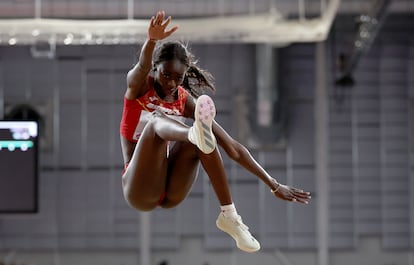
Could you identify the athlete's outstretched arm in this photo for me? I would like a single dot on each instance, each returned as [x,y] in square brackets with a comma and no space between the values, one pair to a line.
[137,76]
[242,156]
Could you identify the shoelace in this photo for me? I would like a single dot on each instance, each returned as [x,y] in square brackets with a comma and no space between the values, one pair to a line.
[240,223]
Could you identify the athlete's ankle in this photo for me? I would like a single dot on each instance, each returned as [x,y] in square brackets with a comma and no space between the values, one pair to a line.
[229,211]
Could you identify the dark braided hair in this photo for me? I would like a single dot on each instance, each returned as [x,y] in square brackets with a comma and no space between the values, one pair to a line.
[196,80]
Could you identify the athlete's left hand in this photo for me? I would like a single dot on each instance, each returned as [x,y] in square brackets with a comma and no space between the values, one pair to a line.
[292,194]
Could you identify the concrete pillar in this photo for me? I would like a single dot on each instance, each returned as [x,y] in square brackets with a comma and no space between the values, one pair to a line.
[321,154]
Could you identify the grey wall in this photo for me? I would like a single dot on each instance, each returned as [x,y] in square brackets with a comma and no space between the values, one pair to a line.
[370,156]
[371,140]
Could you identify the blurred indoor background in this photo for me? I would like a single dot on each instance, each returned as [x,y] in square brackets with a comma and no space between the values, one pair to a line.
[321,91]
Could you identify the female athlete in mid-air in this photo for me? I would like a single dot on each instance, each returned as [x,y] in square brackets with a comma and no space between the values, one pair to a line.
[162,154]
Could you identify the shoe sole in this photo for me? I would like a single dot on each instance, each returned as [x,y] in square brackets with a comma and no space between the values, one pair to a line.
[249,250]
[204,114]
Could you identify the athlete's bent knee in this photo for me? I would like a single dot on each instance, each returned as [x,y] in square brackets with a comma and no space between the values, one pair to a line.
[138,203]
[171,202]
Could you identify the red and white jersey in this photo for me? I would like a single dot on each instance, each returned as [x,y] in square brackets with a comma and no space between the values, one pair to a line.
[137,112]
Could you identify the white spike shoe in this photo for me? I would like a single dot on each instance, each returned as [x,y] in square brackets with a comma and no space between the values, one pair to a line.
[201,133]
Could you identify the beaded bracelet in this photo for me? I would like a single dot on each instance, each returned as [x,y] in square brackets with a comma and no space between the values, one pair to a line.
[150,39]
[275,190]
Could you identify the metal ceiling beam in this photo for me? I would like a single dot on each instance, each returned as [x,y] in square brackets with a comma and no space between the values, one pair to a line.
[262,28]
[369,26]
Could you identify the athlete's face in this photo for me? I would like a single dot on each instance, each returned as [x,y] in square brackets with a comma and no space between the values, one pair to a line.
[170,75]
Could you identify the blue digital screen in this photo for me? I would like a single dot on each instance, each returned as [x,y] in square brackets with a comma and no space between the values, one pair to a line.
[18,167]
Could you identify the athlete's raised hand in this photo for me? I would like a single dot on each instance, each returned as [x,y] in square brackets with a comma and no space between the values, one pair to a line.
[157,29]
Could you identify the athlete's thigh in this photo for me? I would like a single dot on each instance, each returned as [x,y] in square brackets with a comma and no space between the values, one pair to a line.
[183,167]
[147,170]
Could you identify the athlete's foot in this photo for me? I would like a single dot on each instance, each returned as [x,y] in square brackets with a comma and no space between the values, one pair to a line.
[239,232]
[201,133]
